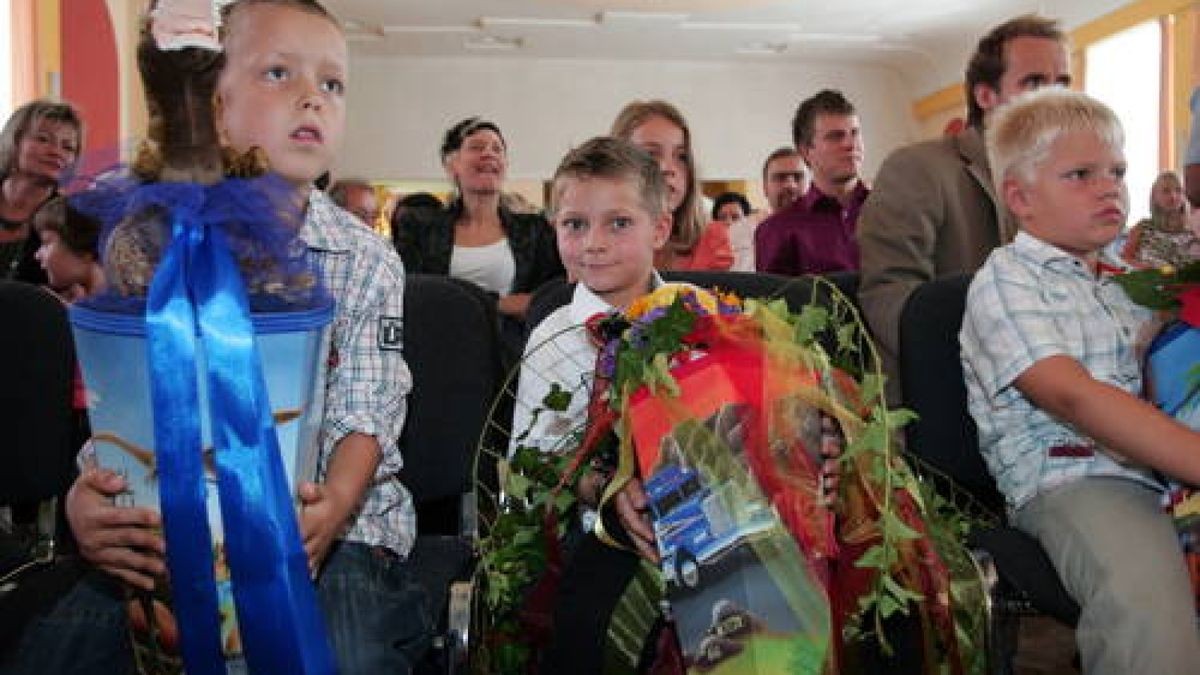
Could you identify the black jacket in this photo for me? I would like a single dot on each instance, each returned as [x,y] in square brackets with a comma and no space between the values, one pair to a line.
[425,241]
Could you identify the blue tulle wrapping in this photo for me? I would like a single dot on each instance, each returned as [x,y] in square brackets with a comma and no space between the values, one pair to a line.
[260,219]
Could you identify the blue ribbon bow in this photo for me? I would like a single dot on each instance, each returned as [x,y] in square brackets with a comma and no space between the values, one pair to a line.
[197,298]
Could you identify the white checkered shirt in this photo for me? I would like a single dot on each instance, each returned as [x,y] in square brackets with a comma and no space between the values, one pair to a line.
[1028,302]
[368,379]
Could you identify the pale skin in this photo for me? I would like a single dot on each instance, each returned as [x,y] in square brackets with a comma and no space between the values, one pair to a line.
[479,168]
[609,237]
[281,90]
[44,153]
[1077,202]
[835,154]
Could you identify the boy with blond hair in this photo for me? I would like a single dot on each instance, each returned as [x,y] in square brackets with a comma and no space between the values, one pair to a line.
[1053,379]
[282,89]
[608,209]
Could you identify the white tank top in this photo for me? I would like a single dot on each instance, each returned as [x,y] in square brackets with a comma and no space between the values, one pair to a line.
[490,267]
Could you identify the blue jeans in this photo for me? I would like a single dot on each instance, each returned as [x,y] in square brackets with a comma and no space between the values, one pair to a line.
[84,633]
[376,613]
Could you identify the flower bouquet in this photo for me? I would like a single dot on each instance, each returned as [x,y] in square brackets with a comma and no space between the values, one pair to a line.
[721,407]
[1173,374]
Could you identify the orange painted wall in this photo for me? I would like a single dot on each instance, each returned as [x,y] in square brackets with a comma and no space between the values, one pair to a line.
[90,78]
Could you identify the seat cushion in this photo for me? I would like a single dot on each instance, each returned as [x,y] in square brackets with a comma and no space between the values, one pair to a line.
[435,561]
[1024,566]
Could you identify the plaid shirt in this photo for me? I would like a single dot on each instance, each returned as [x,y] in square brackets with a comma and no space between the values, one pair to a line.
[1028,302]
[368,379]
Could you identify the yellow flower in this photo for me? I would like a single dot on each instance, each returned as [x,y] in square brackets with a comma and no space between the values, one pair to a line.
[665,295]
[1167,270]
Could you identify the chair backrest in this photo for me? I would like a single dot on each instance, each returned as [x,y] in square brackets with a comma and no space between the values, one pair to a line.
[37,368]
[451,346]
[796,291]
[545,299]
[931,377]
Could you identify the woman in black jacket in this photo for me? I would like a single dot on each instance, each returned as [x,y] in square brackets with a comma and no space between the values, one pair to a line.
[475,238]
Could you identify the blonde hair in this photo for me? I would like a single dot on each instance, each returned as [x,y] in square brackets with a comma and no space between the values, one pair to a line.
[687,221]
[1021,132]
[1155,209]
[614,159]
[308,6]
[24,119]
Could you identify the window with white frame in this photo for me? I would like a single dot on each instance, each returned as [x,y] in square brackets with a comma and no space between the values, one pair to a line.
[1124,70]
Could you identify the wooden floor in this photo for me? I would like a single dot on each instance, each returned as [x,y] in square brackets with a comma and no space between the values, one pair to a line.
[1046,647]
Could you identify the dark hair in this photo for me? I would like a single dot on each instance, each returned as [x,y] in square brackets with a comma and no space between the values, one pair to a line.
[783,151]
[79,232]
[987,64]
[730,198]
[25,118]
[457,134]
[824,102]
[617,159]
[419,200]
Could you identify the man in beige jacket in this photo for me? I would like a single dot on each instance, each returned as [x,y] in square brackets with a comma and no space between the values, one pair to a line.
[933,211]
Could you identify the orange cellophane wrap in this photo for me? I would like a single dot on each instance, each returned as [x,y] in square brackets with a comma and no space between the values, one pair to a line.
[754,359]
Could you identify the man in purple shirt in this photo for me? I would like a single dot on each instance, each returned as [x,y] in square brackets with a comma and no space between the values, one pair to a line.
[816,233]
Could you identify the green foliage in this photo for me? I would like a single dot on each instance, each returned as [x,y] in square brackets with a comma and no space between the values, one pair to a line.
[1159,288]
[645,359]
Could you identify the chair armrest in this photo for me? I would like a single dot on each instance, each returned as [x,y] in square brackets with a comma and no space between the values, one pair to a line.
[468,522]
[459,625]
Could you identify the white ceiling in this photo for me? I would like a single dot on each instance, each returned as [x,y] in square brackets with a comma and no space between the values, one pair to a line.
[919,37]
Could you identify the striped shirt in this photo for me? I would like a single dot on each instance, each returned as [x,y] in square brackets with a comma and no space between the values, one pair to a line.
[1028,302]
[368,380]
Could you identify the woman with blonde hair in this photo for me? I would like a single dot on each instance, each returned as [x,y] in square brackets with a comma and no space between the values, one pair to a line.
[660,129]
[1165,237]
[39,146]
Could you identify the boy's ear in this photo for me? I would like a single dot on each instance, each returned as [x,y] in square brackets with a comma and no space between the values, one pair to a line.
[1015,197]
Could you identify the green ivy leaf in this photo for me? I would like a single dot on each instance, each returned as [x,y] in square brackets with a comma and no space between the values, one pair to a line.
[557,399]
[894,528]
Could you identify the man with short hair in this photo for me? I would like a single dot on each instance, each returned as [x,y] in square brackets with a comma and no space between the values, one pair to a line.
[933,210]
[815,234]
[785,178]
[357,197]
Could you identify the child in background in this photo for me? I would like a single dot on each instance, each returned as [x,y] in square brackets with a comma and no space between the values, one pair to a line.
[282,89]
[69,250]
[733,209]
[1053,378]
[1165,238]
[660,129]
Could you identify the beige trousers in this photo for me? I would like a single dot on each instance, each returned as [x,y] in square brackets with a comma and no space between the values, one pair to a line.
[1119,557]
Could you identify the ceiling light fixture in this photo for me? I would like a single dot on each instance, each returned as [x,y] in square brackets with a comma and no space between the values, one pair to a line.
[762,48]
[405,30]
[487,22]
[855,38]
[627,19]
[736,26]
[494,43]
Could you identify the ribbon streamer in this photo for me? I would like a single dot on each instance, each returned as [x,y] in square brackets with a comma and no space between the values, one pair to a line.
[198,293]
